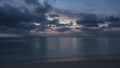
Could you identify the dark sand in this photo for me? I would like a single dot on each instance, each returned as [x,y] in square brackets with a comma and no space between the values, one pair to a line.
[75,64]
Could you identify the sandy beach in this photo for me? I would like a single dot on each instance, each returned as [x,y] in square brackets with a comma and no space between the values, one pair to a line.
[75,64]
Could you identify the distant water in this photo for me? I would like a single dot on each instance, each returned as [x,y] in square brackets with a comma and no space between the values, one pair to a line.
[45,48]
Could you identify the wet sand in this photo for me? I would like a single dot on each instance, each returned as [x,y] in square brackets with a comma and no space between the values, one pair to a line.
[75,64]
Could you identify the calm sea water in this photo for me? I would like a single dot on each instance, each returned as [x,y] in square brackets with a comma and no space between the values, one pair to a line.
[41,49]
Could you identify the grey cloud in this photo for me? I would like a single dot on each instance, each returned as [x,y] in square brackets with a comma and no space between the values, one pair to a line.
[12,15]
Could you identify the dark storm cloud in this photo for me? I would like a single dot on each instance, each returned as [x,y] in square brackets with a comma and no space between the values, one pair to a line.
[114,24]
[67,13]
[86,19]
[89,20]
[10,16]
[34,2]
[13,15]
[39,8]
[115,21]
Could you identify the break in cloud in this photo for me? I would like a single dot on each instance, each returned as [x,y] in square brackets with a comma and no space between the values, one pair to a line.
[106,7]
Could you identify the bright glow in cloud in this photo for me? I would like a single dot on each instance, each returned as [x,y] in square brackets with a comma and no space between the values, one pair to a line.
[66,20]
[37,24]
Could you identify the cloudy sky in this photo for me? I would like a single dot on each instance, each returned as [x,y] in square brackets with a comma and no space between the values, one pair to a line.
[21,14]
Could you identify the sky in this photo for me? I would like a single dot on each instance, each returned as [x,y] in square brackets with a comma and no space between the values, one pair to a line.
[22,14]
[92,6]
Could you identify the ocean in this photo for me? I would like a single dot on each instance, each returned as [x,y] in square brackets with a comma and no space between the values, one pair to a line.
[46,49]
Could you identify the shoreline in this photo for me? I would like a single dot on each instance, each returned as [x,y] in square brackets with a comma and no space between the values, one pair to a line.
[104,63]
